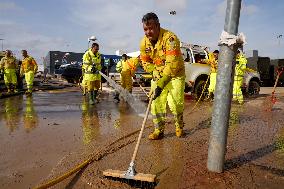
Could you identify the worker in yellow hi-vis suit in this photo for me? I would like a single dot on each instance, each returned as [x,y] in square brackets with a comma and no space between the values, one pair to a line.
[241,64]
[28,68]
[8,65]
[213,62]
[92,66]
[161,55]
[126,68]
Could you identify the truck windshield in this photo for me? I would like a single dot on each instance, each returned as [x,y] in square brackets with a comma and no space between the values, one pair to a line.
[199,56]
[186,54]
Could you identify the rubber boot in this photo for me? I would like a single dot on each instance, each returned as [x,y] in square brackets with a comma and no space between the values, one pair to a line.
[156,135]
[116,97]
[95,96]
[16,90]
[12,88]
[241,102]
[179,132]
[91,97]
[84,91]
[8,89]
[29,92]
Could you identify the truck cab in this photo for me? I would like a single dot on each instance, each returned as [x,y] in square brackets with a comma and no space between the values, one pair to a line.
[197,73]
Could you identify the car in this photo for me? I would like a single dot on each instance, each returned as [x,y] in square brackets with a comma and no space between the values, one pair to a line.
[197,73]
[71,72]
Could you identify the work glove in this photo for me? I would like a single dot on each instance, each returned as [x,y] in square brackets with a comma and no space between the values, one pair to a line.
[94,69]
[163,81]
[157,92]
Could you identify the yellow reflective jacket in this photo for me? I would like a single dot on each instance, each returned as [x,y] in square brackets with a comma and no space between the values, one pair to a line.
[8,63]
[212,62]
[164,58]
[89,58]
[119,66]
[29,64]
[127,67]
[241,65]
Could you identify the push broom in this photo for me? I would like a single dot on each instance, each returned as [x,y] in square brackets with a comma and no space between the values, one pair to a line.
[131,173]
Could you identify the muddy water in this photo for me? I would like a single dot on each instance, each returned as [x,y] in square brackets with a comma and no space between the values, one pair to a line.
[37,132]
[254,156]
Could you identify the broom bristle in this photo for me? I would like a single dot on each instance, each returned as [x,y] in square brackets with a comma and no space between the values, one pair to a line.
[121,174]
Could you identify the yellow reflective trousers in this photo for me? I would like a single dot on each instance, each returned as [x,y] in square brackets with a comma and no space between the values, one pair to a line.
[126,80]
[173,93]
[10,77]
[212,85]
[29,77]
[237,90]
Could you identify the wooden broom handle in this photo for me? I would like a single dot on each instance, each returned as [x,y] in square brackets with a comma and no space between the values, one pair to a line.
[142,129]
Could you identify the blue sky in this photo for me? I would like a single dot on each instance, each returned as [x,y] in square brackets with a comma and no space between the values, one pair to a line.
[43,25]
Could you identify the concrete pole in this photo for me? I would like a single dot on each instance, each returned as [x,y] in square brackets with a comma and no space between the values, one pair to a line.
[223,93]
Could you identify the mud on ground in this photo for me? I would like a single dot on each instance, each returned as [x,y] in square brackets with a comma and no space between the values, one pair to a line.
[255,153]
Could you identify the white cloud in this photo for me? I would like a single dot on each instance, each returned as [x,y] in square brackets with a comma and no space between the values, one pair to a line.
[172,5]
[18,37]
[8,6]
[115,24]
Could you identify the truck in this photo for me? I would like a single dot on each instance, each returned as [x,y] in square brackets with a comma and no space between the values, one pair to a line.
[266,67]
[197,73]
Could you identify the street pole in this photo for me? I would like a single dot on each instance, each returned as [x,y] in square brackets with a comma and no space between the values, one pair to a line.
[223,93]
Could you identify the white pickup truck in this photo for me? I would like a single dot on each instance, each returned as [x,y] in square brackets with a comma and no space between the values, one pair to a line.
[197,73]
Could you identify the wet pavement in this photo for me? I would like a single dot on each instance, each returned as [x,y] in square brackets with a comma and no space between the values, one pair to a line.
[51,132]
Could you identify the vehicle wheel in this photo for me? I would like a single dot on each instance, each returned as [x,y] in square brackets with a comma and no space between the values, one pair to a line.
[253,89]
[199,88]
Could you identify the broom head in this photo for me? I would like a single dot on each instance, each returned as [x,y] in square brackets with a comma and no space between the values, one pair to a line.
[122,174]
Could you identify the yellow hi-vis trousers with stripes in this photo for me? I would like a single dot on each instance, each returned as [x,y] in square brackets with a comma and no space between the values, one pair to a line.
[173,93]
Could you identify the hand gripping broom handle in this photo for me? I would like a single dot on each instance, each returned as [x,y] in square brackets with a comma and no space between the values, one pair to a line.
[141,131]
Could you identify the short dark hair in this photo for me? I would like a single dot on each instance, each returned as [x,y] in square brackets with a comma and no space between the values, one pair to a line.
[150,16]
[24,51]
[95,45]
[124,55]
[216,51]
